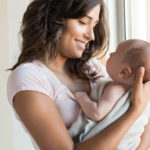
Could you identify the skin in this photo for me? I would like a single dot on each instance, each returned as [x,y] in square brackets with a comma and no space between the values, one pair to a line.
[123,72]
[115,61]
[49,131]
[145,142]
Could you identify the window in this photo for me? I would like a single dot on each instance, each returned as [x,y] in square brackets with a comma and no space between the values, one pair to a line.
[128,19]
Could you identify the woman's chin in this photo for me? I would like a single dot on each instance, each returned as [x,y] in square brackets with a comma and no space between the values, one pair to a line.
[77,56]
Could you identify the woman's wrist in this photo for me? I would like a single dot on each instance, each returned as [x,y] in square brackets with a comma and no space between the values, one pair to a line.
[135,111]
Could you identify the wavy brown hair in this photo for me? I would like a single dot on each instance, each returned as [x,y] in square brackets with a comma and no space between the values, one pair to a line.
[43,24]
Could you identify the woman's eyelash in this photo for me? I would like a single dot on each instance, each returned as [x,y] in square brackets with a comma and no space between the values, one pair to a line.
[82,22]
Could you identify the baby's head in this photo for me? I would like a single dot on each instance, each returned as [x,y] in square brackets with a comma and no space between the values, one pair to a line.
[129,56]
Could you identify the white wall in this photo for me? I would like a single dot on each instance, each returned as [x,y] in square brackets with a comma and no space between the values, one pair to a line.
[16,9]
[6,132]
[12,136]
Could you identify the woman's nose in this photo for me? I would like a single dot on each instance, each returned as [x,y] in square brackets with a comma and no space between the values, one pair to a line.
[90,34]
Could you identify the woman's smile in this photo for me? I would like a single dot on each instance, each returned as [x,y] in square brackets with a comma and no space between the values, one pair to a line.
[81,44]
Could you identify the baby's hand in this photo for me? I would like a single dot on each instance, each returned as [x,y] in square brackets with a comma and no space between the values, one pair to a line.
[80,95]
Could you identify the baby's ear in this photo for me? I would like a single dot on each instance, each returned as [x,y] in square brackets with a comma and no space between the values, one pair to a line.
[125,73]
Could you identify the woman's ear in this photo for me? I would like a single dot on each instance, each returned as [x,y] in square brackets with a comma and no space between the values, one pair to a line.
[125,73]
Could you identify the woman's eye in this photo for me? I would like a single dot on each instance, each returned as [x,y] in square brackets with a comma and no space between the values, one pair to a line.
[82,22]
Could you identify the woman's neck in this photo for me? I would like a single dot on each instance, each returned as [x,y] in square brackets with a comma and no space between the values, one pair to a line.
[58,64]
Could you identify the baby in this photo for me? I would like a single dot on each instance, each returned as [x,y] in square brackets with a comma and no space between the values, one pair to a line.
[110,99]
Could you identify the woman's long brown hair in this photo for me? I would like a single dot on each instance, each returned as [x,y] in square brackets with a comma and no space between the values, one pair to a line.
[43,24]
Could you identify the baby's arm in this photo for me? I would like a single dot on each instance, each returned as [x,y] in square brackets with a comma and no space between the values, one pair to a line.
[97,111]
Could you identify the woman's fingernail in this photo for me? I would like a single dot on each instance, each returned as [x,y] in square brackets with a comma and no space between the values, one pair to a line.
[141,69]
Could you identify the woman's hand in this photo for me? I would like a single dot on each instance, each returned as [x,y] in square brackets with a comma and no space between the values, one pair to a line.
[141,92]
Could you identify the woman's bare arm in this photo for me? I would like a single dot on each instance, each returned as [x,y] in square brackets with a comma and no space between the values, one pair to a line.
[145,138]
[40,116]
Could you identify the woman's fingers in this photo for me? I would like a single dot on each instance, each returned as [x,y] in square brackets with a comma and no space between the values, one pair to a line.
[138,85]
[139,79]
[137,92]
[140,94]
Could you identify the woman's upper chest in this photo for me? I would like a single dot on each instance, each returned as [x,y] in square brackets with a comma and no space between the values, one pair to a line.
[74,84]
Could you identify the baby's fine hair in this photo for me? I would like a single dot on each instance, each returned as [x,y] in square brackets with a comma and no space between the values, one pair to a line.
[138,55]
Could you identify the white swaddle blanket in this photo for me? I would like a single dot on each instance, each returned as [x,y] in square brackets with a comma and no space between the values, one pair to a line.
[85,128]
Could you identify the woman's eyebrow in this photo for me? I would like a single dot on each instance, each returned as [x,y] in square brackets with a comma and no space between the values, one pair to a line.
[89,17]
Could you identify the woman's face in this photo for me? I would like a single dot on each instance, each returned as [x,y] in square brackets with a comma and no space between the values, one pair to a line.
[77,34]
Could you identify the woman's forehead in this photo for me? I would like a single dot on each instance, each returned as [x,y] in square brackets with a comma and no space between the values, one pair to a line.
[93,13]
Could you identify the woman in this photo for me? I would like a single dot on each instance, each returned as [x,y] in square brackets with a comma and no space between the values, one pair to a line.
[59,39]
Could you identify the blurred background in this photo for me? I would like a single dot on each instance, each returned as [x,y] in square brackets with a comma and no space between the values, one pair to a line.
[127,19]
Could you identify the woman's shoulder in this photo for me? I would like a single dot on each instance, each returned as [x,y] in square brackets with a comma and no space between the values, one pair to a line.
[33,69]
[28,76]
[30,66]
